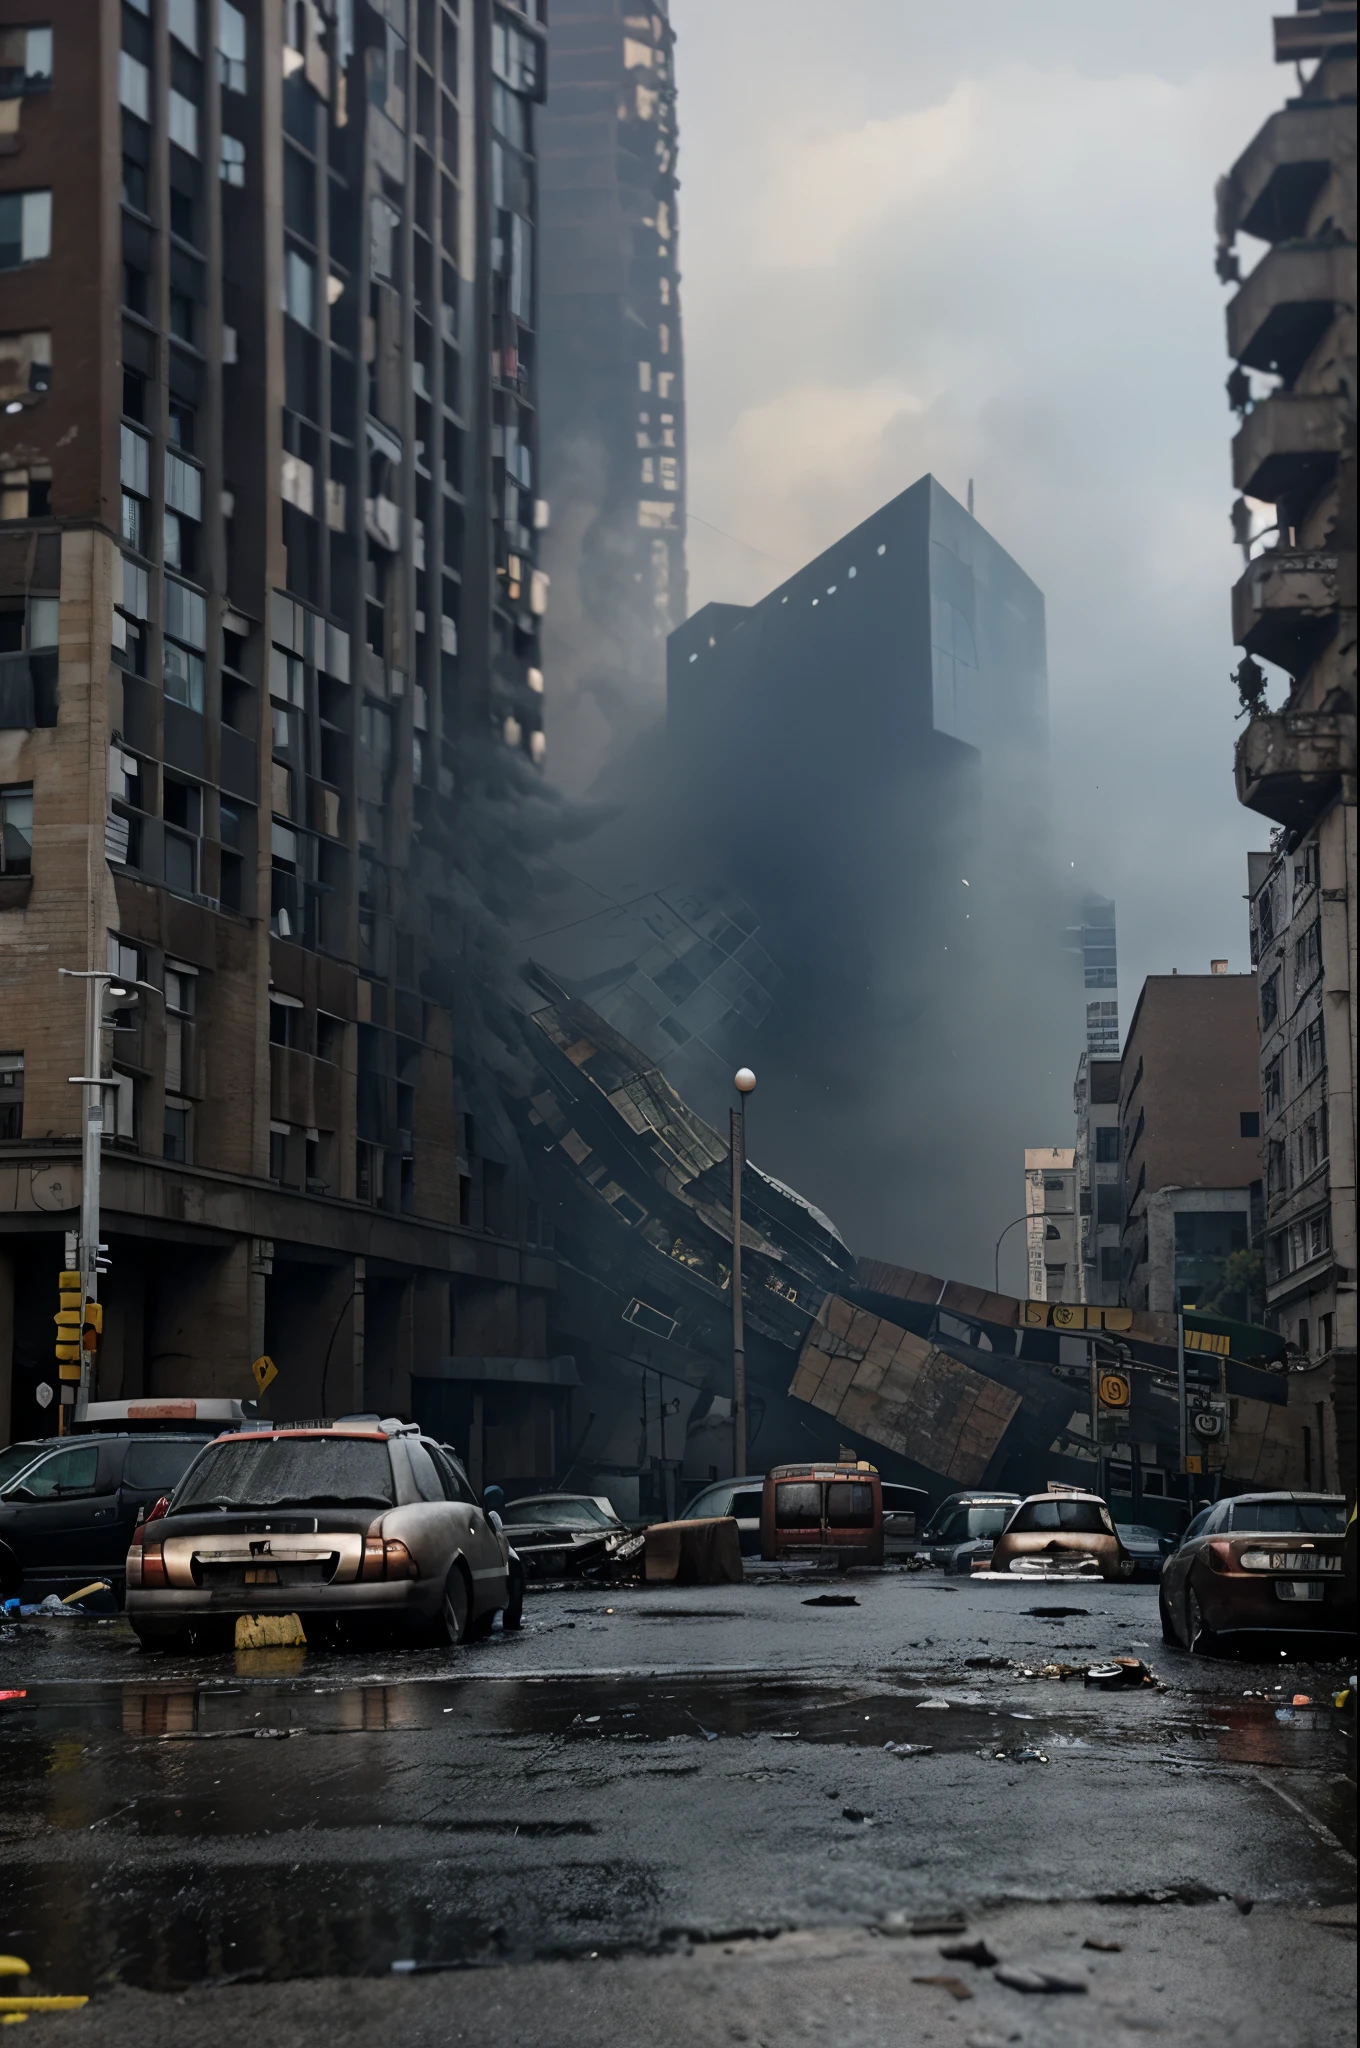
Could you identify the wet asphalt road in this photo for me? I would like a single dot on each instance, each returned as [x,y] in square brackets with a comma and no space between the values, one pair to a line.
[687,1799]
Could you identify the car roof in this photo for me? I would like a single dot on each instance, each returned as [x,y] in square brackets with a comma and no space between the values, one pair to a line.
[1098,1498]
[254,1436]
[1233,1499]
[954,1500]
[533,1500]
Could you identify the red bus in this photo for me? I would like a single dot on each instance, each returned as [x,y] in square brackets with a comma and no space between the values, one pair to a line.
[823,1510]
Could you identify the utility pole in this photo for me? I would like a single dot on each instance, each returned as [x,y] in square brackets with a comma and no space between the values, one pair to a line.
[745,1082]
[90,1261]
[1180,1399]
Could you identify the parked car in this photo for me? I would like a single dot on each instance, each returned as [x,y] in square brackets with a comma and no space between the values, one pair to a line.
[205,1415]
[1144,1545]
[14,1457]
[1062,1535]
[739,1498]
[1259,1564]
[68,1514]
[340,1524]
[964,1527]
[555,1533]
[823,1511]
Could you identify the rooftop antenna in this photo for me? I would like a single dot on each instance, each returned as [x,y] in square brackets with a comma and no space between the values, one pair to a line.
[970,497]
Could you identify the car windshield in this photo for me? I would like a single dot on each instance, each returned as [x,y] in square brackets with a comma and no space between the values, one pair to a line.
[1290,1517]
[14,1457]
[965,1524]
[289,1471]
[556,1514]
[157,1464]
[1075,1517]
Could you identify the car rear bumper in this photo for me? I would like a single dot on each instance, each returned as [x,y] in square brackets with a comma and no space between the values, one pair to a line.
[1241,1606]
[409,1602]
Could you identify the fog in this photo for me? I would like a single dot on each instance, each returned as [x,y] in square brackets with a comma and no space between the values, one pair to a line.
[979,242]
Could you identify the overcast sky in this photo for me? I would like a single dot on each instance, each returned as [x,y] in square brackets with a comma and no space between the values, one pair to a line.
[978,240]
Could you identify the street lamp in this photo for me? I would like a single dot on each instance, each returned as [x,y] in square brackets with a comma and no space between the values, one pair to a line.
[996,1271]
[745,1081]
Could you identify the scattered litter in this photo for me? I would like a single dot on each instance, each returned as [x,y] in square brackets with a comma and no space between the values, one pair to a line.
[1026,1754]
[1056,1613]
[1242,1902]
[1061,1670]
[95,1586]
[976,1952]
[832,1600]
[707,1733]
[1021,1978]
[1105,1948]
[1341,1699]
[857,1813]
[932,1706]
[955,1986]
[1118,1672]
[785,1735]
[910,1748]
[939,1923]
[1302,1699]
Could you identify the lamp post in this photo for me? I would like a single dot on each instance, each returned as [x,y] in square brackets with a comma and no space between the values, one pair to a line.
[745,1081]
[996,1272]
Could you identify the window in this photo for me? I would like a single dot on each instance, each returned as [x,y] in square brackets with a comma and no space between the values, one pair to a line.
[1319,1234]
[134,526]
[181,418]
[186,614]
[1249,1123]
[181,991]
[1055,1278]
[25,228]
[231,47]
[299,288]
[25,61]
[134,86]
[175,1138]
[287,1020]
[64,1474]
[1107,1144]
[384,226]
[1326,1324]
[1109,1265]
[1272,1085]
[1308,955]
[11,1095]
[183,808]
[183,123]
[16,828]
[231,162]
[1270,1000]
[182,675]
[1310,1051]
[278,1151]
[1109,1205]
[183,22]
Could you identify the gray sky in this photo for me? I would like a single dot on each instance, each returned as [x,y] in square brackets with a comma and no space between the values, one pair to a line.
[978,239]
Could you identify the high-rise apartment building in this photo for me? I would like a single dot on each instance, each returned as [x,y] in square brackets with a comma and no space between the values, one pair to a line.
[1052,1249]
[1292,330]
[613,396]
[270,613]
[1100,1195]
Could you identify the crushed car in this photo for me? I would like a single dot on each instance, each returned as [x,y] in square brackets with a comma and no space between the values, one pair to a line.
[558,1534]
[1061,1536]
[965,1527]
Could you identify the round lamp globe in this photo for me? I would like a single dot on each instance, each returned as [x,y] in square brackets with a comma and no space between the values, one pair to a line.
[744,1079]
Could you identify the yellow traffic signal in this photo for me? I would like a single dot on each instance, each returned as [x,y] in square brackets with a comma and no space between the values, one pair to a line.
[78,1330]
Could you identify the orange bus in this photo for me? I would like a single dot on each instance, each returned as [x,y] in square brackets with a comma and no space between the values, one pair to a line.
[820,1510]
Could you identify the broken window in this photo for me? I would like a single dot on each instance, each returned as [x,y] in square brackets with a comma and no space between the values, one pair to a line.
[25,368]
[11,1095]
[16,828]
[25,61]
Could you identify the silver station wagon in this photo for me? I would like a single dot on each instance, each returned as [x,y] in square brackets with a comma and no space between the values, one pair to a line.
[344,1524]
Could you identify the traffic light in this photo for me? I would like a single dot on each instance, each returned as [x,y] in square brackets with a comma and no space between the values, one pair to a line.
[76,1333]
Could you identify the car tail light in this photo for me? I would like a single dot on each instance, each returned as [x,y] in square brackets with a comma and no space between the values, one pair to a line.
[1220,1556]
[159,1509]
[1255,1560]
[153,1563]
[386,1557]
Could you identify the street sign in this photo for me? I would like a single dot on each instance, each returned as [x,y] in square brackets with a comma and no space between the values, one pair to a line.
[1114,1390]
[265,1371]
[42,1394]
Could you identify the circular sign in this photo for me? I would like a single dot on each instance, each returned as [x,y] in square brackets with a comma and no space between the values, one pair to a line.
[42,1394]
[1114,1390]
[1207,1423]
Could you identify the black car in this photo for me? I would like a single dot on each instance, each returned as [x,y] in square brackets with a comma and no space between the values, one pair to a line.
[67,1515]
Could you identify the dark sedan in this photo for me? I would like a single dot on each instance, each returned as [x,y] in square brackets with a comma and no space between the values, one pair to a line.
[67,1515]
[1261,1564]
[555,1533]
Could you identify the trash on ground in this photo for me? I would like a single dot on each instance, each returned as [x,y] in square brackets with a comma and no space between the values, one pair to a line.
[910,1748]
[1302,1699]
[933,1706]
[955,1986]
[857,1813]
[1024,1753]
[1242,1902]
[832,1600]
[976,1952]
[1061,1670]
[939,1923]
[702,1553]
[269,1632]
[95,1586]
[1021,1977]
[1119,1672]
[1105,1948]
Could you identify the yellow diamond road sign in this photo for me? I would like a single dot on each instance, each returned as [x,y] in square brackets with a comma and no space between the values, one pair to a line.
[265,1371]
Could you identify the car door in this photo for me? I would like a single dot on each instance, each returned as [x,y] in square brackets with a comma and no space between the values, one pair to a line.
[63,1510]
[1176,1571]
[481,1544]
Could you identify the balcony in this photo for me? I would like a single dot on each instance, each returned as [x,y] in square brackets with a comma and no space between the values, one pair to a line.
[1289,764]
[1287,304]
[1280,173]
[1287,447]
[1284,607]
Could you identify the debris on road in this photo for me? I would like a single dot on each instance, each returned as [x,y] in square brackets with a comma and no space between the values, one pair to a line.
[1105,1948]
[976,1952]
[1024,1754]
[910,1748]
[857,1813]
[955,1986]
[832,1600]
[1242,1902]
[1119,1672]
[269,1632]
[932,1706]
[1021,1977]
[704,1553]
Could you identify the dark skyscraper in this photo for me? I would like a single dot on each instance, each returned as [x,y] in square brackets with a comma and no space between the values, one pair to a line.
[613,413]
[862,757]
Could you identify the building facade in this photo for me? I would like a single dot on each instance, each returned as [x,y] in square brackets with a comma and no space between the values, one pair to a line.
[1052,1247]
[1100,1194]
[1190,1144]
[613,392]
[1292,331]
[271,610]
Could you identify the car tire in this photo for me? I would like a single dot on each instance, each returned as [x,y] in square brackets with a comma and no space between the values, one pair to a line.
[455,1608]
[1202,1639]
[1168,1625]
[482,1626]
[512,1614]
